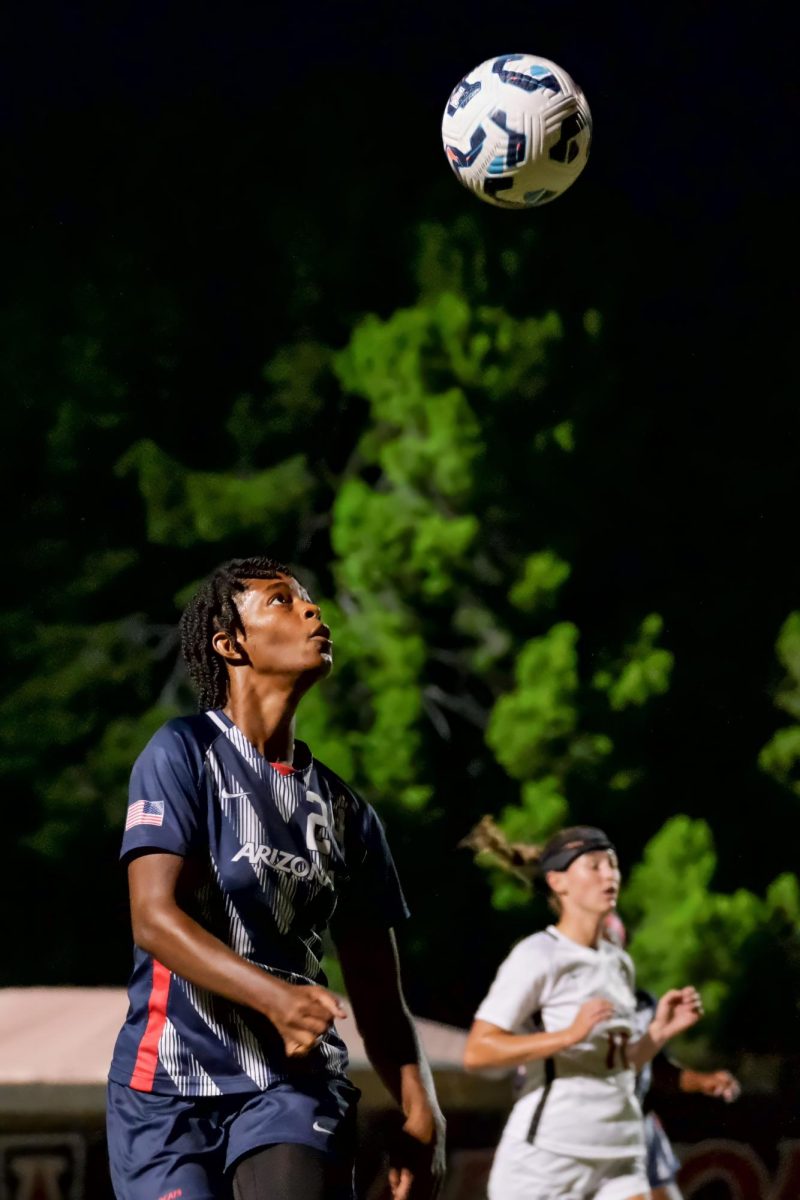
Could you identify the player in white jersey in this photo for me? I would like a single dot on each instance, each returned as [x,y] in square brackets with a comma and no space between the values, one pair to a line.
[563,1006]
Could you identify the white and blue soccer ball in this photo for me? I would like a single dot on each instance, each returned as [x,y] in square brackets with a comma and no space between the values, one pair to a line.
[517,131]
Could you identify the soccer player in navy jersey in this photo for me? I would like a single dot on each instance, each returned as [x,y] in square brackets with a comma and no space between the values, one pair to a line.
[241,849]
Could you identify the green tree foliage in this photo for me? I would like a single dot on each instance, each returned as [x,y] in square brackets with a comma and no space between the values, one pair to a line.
[683,929]
[185,507]
[421,528]
[432,469]
[780,757]
[687,930]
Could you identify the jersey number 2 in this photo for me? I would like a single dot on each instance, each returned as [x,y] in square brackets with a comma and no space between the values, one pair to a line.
[318,827]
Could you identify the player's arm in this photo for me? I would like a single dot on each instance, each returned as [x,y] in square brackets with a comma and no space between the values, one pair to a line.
[670,1077]
[677,1011]
[719,1084]
[371,972]
[161,927]
[490,1046]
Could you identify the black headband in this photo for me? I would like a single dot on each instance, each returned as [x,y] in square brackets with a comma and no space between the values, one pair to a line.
[561,857]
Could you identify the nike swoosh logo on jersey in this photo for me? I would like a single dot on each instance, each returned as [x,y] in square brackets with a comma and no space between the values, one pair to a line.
[233,795]
[321,1128]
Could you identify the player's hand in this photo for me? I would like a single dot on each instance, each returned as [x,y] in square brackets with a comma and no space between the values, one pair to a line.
[302,1013]
[720,1084]
[590,1014]
[417,1158]
[677,1011]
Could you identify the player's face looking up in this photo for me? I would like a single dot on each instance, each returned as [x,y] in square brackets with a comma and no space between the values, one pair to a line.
[283,635]
[590,884]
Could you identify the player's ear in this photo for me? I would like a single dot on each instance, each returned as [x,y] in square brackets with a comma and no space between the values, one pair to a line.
[556,882]
[226,646]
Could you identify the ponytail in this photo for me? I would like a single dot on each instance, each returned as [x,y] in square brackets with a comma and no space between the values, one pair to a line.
[520,859]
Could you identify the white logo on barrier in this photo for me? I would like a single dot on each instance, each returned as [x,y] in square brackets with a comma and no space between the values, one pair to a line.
[42,1167]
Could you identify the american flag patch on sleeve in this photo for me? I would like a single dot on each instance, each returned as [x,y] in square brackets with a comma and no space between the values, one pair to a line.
[145,812]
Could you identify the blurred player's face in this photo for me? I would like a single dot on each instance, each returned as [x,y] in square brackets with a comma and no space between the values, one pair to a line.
[284,635]
[590,884]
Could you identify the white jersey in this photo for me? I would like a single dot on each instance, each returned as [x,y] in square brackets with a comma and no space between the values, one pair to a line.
[582,1101]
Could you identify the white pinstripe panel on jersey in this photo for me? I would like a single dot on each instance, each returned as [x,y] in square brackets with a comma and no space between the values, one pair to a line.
[278,888]
[239,938]
[240,742]
[313,945]
[245,1046]
[335,1056]
[180,1064]
[252,1056]
[286,790]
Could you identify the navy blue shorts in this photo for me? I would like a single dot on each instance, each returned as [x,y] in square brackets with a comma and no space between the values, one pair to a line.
[166,1146]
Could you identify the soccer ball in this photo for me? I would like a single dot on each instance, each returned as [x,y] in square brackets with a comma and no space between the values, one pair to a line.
[517,130]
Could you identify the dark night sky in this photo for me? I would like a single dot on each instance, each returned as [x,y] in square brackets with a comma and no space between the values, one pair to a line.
[694,109]
[108,113]
[694,104]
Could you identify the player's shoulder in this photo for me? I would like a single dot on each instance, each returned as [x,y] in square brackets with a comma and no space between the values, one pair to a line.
[194,729]
[355,818]
[185,739]
[540,948]
[341,792]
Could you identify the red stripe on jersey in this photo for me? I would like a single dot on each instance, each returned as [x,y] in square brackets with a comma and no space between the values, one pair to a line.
[144,1069]
[283,768]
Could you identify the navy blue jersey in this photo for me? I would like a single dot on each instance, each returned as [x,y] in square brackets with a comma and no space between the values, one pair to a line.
[662,1163]
[273,856]
[646,1004]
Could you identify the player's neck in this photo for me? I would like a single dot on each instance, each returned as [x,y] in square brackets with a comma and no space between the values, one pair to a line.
[581,927]
[266,719]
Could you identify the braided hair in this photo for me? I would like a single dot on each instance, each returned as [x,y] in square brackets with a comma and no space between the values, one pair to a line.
[213,607]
